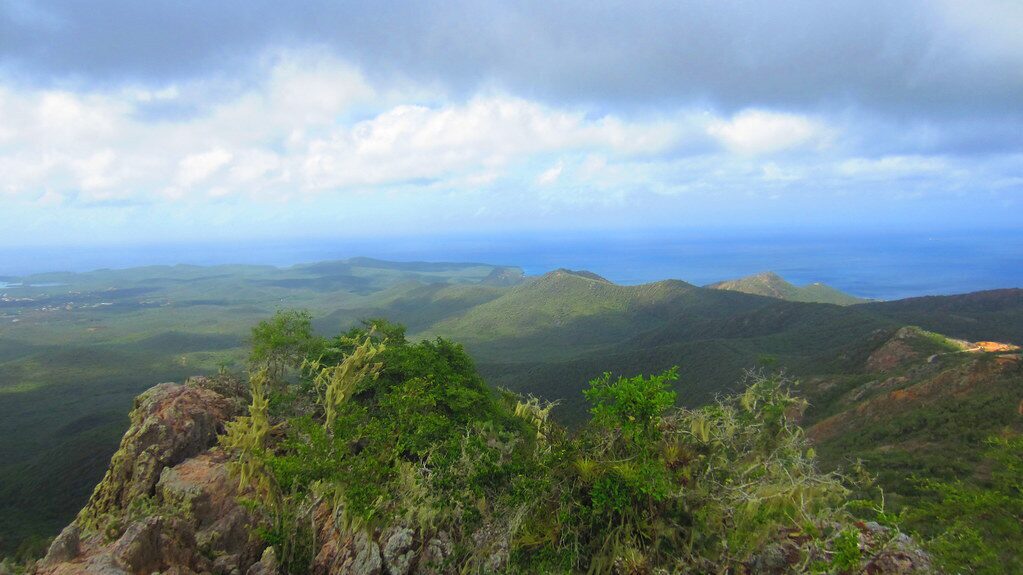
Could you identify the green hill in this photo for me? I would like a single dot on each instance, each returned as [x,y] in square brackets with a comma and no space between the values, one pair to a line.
[76,350]
[770,284]
[985,315]
[920,406]
[547,335]
[561,314]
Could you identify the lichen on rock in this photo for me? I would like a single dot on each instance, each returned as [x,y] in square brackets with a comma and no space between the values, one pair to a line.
[169,423]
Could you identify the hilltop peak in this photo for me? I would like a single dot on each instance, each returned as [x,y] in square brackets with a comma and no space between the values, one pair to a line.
[770,284]
[578,273]
[769,276]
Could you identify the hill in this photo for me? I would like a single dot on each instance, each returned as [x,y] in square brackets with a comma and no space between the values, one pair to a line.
[547,335]
[977,316]
[560,314]
[920,406]
[770,284]
[73,350]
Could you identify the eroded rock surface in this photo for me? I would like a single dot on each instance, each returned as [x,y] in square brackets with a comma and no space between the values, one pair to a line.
[169,423]
[168,502]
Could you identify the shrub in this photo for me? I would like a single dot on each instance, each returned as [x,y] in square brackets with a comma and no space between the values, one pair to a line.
[408,433]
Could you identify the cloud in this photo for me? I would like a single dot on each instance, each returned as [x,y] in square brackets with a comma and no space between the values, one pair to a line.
[550,175]
[502,113]
[195,168]
[926,59]
[764,132]
[893,166]
[314,125]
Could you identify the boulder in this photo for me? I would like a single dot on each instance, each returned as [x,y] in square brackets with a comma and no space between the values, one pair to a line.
[65,546]
[267,564]
[398,551]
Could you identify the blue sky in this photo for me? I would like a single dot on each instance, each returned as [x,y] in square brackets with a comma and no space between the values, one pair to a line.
[157,121]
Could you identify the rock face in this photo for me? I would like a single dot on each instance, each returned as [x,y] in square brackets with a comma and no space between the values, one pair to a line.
[167,503]
[169,424]
[390,551]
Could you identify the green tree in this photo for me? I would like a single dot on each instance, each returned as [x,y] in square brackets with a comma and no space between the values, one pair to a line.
[283,342]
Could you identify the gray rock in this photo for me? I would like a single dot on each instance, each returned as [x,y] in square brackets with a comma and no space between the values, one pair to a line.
[398,551]
[138,549]
[226,564]
[65,547]
[435,555]
[102,565]
[367,556]
[267,565]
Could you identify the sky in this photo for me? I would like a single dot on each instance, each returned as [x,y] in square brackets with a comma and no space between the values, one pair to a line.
[125,121]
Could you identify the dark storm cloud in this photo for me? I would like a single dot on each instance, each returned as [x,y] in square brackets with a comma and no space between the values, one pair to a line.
[901,58]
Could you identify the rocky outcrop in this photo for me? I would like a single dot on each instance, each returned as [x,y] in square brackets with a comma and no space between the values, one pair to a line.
[168,502]
[169,423]
[895,553]
[396,550]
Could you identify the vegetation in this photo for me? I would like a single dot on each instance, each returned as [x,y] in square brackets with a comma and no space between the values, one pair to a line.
[68,376]
[978,528]
[74,354]
[282,342]
[404,433]
[770,284]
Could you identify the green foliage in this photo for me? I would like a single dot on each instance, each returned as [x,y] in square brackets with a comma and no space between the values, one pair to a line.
[632,405]
[692,490]
[413,436]
[283,342]
[981,525]
[247,436]
[403,432]
[335,384]
[847,555]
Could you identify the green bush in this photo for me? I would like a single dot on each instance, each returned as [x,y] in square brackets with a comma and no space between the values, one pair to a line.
[977,528]
[412,435]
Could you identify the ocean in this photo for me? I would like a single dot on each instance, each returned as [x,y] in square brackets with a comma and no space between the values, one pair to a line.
[873,265]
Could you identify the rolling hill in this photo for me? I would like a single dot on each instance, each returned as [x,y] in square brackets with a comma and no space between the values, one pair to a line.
[921,405]
[550,335]
[770,284]
[984,315]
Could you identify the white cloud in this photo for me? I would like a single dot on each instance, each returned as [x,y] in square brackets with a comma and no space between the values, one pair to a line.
[313,124]
[196,168]
[424,143]
[892,166]
[772,172]
[550,175]
[312,128]
[763,132]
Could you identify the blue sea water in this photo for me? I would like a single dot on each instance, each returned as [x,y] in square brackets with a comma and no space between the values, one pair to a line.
[875,265]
